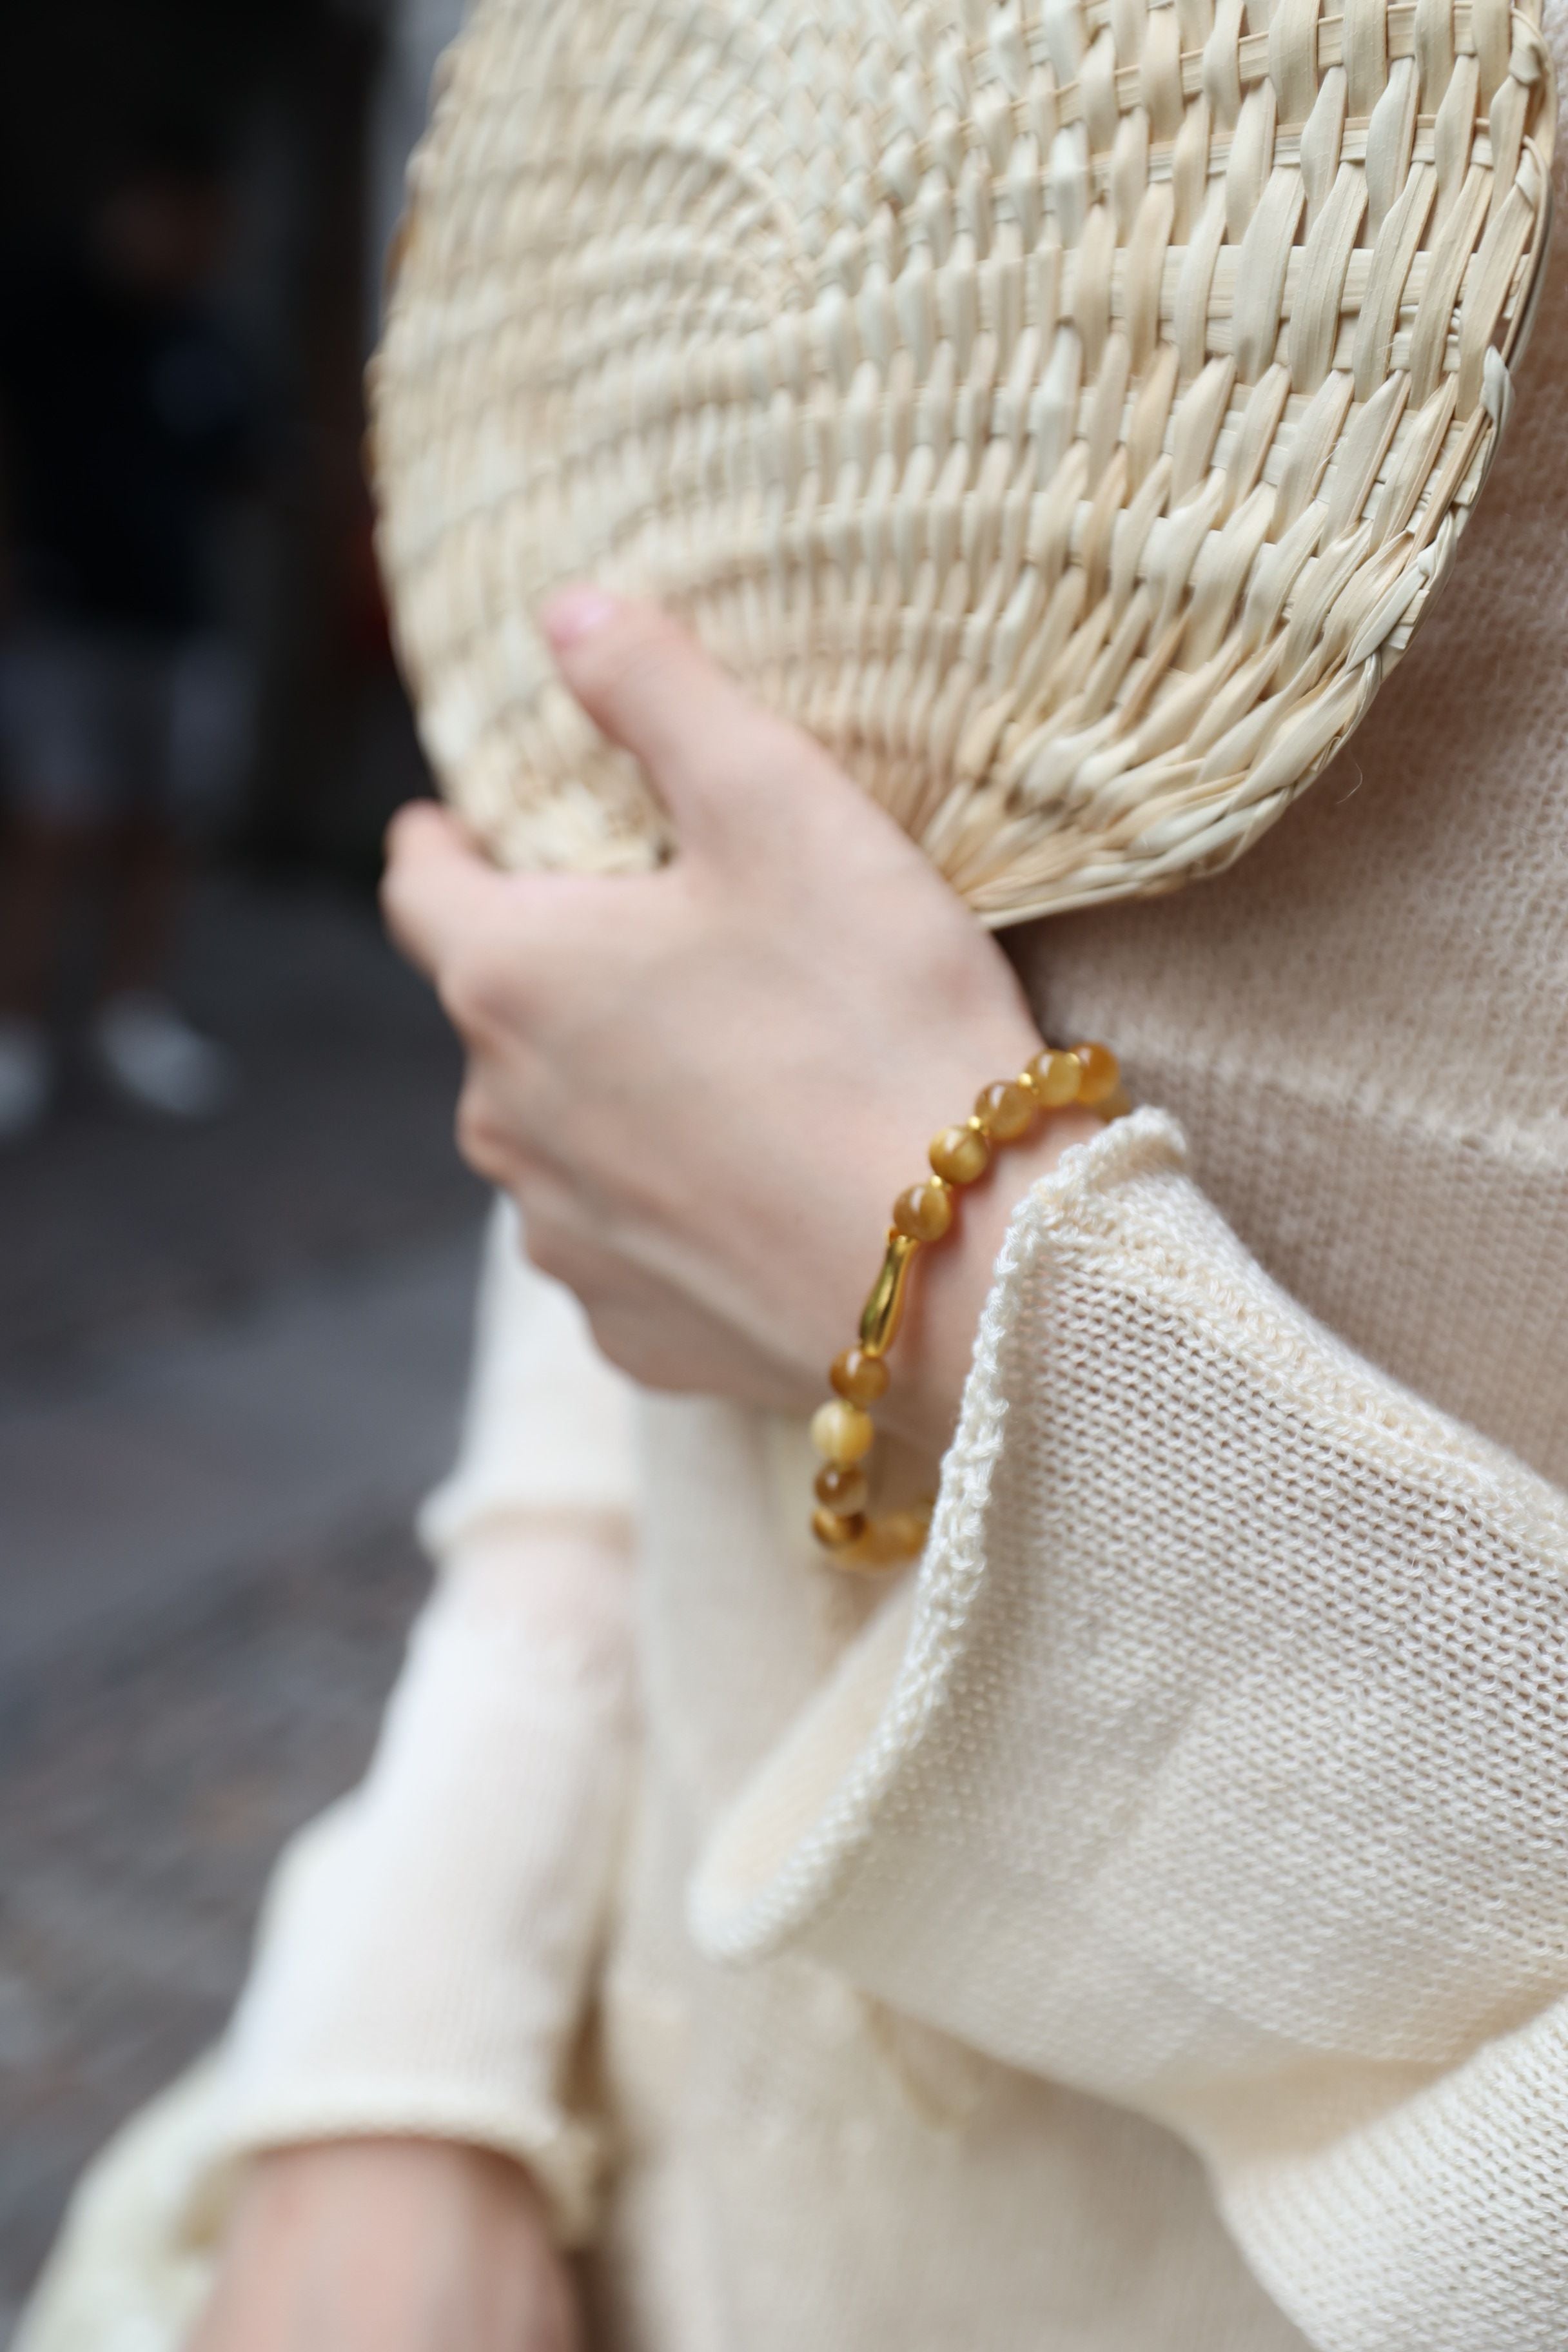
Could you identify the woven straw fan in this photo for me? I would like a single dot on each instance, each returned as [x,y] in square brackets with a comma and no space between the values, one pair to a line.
[1066,409]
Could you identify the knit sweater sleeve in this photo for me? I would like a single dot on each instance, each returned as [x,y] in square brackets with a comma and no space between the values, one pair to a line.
[1216,1762]
[426,1946]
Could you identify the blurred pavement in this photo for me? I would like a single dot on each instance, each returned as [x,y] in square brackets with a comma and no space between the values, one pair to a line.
[230,1361]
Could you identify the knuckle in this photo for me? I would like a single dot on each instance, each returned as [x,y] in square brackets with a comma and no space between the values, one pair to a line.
[481,1137]
[472,992]
[402,831]
[391,895]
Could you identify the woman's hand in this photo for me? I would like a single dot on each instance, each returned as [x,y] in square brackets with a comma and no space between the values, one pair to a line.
[388,2246]
[706,1085]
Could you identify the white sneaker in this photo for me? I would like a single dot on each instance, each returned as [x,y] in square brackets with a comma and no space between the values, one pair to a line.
[26,1077]
[158,1062]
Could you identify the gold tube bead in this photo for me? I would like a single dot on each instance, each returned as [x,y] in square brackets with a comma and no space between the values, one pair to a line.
[884,1307]
[837,1531]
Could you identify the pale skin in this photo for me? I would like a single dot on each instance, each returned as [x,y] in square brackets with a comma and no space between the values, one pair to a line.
[394,2245]
[704,1088]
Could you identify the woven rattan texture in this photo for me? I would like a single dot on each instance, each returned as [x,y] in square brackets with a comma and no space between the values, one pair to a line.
[1065,411]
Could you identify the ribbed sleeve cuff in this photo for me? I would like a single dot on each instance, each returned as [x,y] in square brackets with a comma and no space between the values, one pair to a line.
[1215,1762]
[426,1955]
[561,2153]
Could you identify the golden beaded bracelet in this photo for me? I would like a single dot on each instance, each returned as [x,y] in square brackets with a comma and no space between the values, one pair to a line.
[842,1430]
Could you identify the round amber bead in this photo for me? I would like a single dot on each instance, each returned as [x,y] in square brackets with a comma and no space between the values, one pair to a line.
[860,1377]
[905,1532]
[1101,1073]
[835,1531]
[841,1431]
[889,1542]
[961,1155]
[842,1488]
[925,1211]
[1055,1079]
[1004,1110]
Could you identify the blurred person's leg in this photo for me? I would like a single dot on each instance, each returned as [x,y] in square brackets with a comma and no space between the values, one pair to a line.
[147,880]
[182,723]
[38,866]
[56,787]
[41,868]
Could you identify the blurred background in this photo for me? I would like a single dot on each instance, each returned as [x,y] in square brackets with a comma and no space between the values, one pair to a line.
[237,1248]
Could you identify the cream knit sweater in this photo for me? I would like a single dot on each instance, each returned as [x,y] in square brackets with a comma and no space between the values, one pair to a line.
[1147,1932]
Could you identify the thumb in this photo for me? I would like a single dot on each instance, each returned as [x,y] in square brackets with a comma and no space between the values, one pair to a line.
[717,760]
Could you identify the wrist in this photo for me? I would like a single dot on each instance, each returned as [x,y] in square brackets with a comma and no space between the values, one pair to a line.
[931,1356]
[885,1133]
[948,1229]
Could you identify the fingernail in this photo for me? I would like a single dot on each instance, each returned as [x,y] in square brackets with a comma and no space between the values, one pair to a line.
[575,612]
